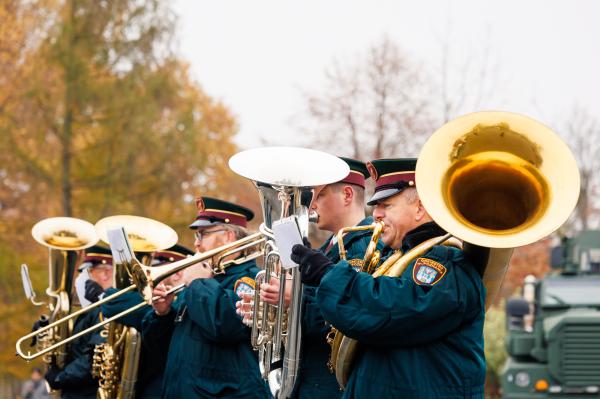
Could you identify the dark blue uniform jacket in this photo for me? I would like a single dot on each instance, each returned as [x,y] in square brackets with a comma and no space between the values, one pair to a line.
[152,360]
[76,379]
[315,380]
[210,354]
[417,340]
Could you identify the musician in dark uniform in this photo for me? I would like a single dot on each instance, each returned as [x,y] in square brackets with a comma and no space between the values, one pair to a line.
[338,205]
[153,358]
[210,354]
[75,379]
[420,334]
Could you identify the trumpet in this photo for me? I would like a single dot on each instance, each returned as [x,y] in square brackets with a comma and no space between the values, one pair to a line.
[285,178]
[144,278]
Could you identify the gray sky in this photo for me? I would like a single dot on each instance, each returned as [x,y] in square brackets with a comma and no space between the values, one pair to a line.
[256,55]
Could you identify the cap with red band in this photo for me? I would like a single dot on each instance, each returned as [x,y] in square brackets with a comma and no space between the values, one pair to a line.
[358,172]
[212,211]
[96,256]
[392,176]
[173,254]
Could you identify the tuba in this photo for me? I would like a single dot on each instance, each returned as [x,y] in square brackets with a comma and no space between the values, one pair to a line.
[496,181]
[116,361]
[285,178]
[64,237]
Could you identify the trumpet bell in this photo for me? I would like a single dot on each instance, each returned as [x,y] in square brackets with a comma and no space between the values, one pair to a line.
[65,233]
[144,234]
[497,179]
[289,166]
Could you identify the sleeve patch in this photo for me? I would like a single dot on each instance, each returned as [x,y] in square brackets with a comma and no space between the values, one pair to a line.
[244,285]
[357,264]
[428,272]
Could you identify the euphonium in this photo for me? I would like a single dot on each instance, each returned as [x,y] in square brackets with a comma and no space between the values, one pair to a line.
[285,178]
[64,237]
[495,180]
[116,361]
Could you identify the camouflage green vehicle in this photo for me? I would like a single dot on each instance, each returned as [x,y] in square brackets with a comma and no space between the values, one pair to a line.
[553,337]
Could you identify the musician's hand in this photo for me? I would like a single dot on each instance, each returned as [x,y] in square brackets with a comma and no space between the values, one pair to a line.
[269,292]
[201,270]
[245,308]
[162,305]
[41,322]
[93,290]
[313,264]
[51,376]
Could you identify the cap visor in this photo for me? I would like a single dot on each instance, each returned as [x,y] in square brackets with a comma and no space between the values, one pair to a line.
[201,223]
[383,194]
[84,265]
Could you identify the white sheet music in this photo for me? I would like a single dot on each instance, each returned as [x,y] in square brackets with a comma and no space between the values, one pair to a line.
[287,234]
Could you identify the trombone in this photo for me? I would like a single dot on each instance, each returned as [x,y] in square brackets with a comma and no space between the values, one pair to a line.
[144,278]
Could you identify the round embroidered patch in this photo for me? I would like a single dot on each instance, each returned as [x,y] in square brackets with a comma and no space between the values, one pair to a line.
[428,272]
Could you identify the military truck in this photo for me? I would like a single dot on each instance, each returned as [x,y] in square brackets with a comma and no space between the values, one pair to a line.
[553,337]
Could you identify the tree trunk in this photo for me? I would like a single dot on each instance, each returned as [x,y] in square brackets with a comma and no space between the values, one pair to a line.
[67,133]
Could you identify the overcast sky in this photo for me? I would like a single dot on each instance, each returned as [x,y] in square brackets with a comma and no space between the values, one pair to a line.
[255,56]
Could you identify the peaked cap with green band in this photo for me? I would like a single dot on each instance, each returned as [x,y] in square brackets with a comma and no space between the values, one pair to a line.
[392,176]
[358,172]
[96,255]
[212,211]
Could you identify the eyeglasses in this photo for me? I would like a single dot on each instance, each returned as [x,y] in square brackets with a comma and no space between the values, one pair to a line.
[202,234]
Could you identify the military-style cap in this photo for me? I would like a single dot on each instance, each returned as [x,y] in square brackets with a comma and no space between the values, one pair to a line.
[96,255]
[391,176]
[170,255]
[358,172]
[212,211]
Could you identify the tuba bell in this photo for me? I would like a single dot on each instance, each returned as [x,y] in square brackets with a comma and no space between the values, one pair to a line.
[285,178]
[495,180]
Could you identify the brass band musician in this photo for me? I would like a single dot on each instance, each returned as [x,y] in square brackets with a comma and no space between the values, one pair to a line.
[75,379]
[421,334]
[209,353]
[338,205]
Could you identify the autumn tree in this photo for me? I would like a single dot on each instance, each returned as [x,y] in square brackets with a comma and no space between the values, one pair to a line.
[98,116]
